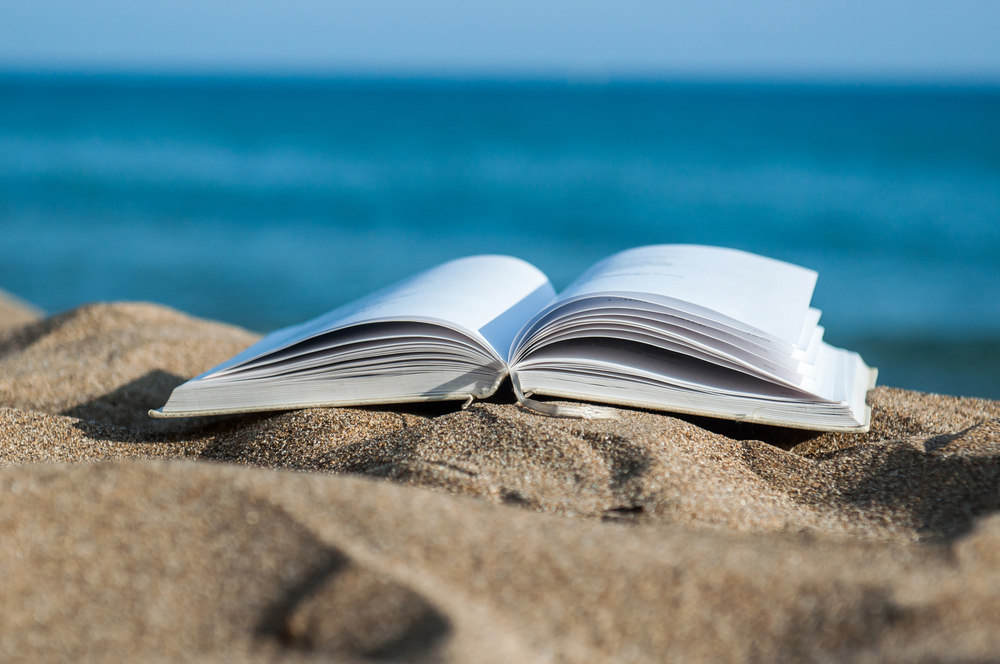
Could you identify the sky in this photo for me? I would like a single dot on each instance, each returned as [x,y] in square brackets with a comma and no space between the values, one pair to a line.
[876,39]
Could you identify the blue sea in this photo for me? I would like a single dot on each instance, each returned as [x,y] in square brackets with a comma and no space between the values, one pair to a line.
[265,202]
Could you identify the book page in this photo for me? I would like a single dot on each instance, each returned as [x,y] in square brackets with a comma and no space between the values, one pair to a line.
[751,291]
[579,314]
[640,360]
[488,297]
[332,349]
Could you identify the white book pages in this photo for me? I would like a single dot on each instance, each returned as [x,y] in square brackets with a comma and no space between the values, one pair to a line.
[628,392]
[594,316]
[486,298]
[749,292]
[643,305]
[436,334]
[328,348]
[395,353]
[640,375]
[673,327]
[808,328]
[571,313]
[405,386]
[730,357]
[640,359]
[807,357]
[583,314]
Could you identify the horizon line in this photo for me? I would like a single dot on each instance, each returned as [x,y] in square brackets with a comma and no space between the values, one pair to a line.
[568,76]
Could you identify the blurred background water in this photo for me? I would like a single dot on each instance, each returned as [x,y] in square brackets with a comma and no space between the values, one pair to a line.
[264,202]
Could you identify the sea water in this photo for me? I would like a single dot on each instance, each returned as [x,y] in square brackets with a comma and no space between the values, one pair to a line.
[264,202]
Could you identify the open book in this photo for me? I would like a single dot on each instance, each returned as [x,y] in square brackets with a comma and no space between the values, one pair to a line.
[680,328]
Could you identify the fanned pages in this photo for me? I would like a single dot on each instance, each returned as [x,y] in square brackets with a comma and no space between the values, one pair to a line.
[682,328]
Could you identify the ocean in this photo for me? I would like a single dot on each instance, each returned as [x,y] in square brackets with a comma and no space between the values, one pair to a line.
[264,202]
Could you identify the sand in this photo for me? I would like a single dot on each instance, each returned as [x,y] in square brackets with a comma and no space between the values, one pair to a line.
[105,362]
[490,534]
[15,312]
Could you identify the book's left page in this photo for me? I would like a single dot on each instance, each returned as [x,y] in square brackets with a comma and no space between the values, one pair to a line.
[441,334]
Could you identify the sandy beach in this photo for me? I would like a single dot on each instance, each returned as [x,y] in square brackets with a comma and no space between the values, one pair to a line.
[490,534]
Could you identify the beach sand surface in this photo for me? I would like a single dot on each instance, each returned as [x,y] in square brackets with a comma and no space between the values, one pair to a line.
[15,311]
[491,534]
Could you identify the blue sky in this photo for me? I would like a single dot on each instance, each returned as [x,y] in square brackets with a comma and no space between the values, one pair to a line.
[911,39]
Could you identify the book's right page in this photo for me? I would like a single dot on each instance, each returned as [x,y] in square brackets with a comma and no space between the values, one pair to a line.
[731,304]
[747,291]
[695,329]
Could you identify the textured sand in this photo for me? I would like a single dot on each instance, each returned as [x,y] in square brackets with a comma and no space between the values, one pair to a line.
[105,362]
[490,534]
[15,312]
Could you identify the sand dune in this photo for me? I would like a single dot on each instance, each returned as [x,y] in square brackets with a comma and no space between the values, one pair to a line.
[15,312]
[103,362]
[489,534]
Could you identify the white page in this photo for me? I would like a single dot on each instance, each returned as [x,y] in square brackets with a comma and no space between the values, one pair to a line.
[373,335]
[641,304]
[630,391]
[642,360]
[808,328]
[377,350]
[671,326]
[488,297]
[752,291]
[731,357]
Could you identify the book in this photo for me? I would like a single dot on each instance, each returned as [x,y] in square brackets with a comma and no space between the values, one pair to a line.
[680,328]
